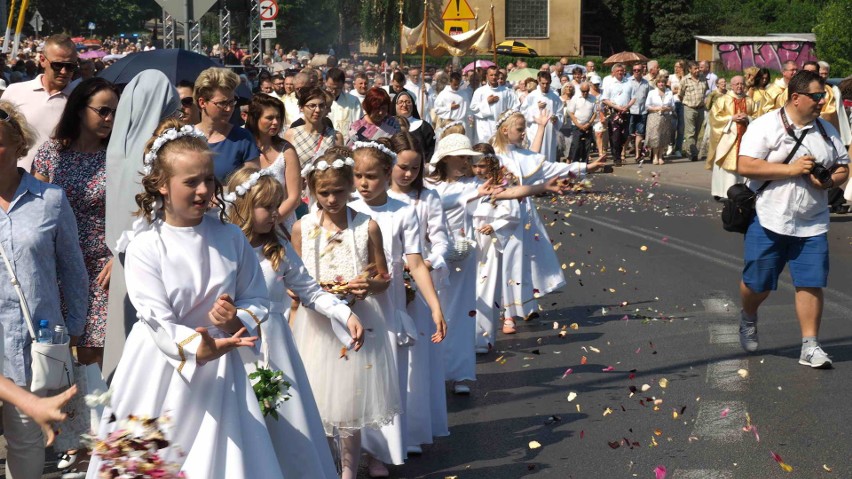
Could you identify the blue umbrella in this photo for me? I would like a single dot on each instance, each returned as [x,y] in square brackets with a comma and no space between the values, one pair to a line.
[176,63]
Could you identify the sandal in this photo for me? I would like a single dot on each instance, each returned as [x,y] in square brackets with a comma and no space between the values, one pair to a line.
[509,327]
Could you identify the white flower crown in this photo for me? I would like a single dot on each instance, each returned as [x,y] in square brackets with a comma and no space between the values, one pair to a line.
[247,185]
[375,146]
[440,131]
[506,115]
[324,165]
[165,137]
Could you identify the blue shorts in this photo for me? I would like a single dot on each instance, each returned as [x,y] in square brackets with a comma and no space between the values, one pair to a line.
[767,252]
[637,124]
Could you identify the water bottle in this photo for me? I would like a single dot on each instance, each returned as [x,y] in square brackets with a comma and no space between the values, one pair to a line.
[59,334]
[44,334]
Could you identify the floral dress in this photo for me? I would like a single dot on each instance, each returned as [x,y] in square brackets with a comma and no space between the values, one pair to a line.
[83,178]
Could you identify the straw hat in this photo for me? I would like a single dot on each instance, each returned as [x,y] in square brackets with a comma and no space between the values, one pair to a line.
[453,145]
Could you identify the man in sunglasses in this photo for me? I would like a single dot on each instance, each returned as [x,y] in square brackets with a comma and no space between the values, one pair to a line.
[802,157]
[43,99]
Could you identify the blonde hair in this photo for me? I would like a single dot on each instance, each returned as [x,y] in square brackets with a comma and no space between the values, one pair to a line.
[346,172]
[161,167]
[213,79]
[267,193]
[22,134]
[501,140]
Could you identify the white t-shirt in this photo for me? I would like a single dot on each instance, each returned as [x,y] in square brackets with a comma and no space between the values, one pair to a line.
[792,206]
[582,108]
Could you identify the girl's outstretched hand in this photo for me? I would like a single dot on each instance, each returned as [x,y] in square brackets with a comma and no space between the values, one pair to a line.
[212,348]
[356,330]
[440,327]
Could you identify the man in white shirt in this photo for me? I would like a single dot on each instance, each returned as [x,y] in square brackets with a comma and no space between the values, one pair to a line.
[792,220]
[618,97]
[42,100]
[581,112]
[453,104]
[543,99]
[345,108]
[359,86]
[291,103]
[489,102]
[415,85]
[278,86]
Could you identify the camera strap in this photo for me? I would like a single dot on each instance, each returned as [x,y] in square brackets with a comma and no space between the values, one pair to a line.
[799,140]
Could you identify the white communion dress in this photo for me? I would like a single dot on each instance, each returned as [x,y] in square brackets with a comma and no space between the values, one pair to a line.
[174,276]
[297,435]
[357,389]
[426,400]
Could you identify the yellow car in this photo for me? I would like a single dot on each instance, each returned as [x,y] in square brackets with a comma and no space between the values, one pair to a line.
[515,49]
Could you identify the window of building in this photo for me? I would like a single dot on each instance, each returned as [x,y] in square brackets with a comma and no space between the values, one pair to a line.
[527,18]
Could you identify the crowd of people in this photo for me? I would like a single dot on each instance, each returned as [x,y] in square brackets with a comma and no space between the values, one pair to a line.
[346,233]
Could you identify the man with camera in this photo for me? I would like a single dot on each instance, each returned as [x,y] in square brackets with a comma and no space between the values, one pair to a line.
[801,156]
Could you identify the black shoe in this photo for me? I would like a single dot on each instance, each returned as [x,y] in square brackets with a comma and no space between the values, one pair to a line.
[694,158]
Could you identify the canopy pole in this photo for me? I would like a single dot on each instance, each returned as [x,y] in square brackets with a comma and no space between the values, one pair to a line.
[493,34]
[8,38]
[401,28]
[423,58]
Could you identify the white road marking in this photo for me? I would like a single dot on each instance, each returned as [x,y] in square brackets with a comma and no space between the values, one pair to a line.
[720,421]
[702,474]
[724,334]
[724,375]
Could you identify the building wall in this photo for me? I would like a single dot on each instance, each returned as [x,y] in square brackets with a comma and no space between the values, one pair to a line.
[564,29]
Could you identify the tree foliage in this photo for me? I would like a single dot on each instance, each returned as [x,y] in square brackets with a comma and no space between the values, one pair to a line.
[110,16]
[834,36]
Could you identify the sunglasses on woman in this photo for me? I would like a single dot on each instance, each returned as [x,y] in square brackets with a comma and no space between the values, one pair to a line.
[104,112]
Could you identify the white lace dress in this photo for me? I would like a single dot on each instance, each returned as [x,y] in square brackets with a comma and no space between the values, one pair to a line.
[361,388]
[277,168]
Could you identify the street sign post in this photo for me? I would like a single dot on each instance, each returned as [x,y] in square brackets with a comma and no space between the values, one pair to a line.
[37,22]
[268,9]
[268,29]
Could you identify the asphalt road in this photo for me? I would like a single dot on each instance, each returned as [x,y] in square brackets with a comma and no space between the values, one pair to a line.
[653,375]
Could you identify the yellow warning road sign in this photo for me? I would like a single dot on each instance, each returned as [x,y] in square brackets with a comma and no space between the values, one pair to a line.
[458,10]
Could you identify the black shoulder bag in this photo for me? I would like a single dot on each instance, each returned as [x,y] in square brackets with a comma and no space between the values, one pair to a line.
[738,209]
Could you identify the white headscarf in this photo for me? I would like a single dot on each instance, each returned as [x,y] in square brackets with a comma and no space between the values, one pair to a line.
[147,100]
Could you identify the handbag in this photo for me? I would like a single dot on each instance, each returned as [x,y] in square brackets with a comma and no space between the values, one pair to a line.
[52,364]
[459,249]
[81,419]
[738,209]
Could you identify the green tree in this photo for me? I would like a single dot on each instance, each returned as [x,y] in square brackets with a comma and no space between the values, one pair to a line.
[674,27]
[110,16]
[834,36]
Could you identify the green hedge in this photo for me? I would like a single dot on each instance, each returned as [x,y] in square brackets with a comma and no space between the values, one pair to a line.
[502,60]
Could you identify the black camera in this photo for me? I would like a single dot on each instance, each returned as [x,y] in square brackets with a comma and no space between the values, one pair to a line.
[821,173]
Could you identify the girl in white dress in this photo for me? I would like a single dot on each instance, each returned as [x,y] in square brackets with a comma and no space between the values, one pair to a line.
[297,434]
[342,250]
[426,399]
[199,295]
[401,234]
[493,222]
[536,270]
[453,182]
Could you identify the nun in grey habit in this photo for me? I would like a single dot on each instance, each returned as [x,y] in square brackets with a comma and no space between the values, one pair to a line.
[146,101]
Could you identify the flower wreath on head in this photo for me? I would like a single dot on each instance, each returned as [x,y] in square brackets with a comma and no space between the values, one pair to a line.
[506,115]
[165,137]
[376,146]
[244,187]
[323,165]
[440,131]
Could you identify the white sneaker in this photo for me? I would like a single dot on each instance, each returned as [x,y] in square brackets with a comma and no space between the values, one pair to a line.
[461,389]
[74,475]
[415,450]
[66,460]
[815,357]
